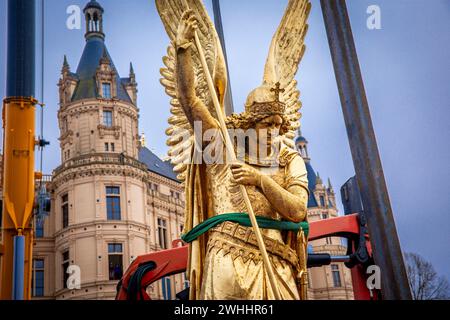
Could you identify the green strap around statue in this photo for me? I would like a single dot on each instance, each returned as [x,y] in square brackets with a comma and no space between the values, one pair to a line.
[244,220]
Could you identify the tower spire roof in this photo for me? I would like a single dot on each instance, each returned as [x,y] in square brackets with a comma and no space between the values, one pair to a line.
[318,178]
[65,63]
[95,52]
[65,67]
[300,137]
[93,4]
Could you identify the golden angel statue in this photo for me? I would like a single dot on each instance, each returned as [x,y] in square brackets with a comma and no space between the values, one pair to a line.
[225,261]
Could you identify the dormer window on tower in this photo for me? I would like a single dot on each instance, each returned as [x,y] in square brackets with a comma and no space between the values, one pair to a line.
[106,90]
[106,77]
[322,201]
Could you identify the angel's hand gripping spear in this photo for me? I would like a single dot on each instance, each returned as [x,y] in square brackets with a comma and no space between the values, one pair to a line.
[195,110]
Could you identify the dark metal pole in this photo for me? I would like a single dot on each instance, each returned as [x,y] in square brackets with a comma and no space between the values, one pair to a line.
[351,197]
[20,72]
[366,159]
[229,108]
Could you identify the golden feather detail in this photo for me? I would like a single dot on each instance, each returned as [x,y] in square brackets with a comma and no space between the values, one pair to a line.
[170,11]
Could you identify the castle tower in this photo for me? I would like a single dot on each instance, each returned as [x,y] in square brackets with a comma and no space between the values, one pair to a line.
[99,221]
[327,282]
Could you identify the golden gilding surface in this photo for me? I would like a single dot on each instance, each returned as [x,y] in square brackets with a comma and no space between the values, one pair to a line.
[225,263]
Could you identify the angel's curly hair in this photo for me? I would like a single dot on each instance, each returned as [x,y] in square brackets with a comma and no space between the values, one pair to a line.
[247,120]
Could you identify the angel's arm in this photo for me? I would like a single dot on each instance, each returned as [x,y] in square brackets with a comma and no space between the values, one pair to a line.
[193,107]
[291,202]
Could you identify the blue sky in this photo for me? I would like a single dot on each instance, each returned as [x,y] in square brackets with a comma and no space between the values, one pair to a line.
[405,68]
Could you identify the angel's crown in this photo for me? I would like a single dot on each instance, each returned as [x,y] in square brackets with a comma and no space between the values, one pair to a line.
[265,99]
[274,107]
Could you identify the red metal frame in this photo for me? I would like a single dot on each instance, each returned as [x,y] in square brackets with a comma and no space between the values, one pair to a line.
[347,226]
[173,261]
[168,262]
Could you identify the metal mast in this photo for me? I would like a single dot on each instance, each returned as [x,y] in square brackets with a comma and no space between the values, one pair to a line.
[19,144]
[366,159]
[229,108]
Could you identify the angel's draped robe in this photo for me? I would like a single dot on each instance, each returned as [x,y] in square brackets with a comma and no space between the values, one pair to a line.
[227,274]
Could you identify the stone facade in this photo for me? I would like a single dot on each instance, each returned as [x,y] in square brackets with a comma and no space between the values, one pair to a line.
[108,205]
[1,190]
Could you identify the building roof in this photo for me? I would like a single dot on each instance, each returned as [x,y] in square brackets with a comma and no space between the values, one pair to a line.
[125,81]
[73,75]
[156,165]
[311,185]
[90,59]
[300,139]
[311,174]
[93,4]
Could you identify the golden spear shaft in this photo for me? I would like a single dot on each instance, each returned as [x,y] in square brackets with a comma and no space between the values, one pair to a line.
[230,152]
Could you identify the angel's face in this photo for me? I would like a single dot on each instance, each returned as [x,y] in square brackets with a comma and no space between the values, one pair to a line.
[268,128]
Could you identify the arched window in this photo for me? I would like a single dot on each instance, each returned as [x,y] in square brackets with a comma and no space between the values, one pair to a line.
[95,22]
[88,22]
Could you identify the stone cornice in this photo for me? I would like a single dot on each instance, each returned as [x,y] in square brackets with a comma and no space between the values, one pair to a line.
[87,105]
[154,177]
[99,164]
[76,231]
[163,202]
[127,111]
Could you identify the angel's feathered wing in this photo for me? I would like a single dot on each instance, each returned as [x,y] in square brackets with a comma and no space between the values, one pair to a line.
[286,51]
[181,136]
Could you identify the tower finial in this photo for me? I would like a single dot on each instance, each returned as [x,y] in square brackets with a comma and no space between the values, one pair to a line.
[318,178]
[66,66]
[330,187]
[143,141]
[105,57]
[131,69]
[94,20]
